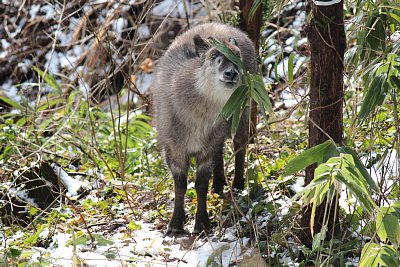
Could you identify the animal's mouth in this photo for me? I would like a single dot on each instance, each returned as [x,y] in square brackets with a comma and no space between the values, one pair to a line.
[231,81]
[229,84]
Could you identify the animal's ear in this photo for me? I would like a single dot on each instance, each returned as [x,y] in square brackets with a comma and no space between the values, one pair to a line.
[200,44]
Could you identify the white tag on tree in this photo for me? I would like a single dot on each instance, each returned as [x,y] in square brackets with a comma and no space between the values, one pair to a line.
[326,2]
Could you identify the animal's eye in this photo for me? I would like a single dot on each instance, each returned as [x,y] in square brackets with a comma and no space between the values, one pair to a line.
[214,56]
[232,41]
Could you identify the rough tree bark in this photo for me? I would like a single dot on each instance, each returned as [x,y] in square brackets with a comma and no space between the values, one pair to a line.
[252,26]
[327,44]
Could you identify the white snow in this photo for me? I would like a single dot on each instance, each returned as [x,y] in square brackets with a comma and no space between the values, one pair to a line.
[25,65]
[143,32]
[62,37]
[34,9]
[144,81]
[4,44]
[119,25]
[20,25]
[298,186]
[22,195]
[72,185]
[173,8]
[281,69]
[299,20]
[148,247]
[11,91]
[48,11]
[84,88]
[53,62]
[292,97]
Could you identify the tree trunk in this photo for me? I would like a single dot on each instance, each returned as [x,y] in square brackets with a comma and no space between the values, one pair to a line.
[327,44]
[252,26]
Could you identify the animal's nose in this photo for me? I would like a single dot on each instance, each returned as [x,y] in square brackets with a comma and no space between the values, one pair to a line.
[231,75]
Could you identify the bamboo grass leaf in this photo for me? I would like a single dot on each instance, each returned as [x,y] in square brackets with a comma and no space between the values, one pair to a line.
[374,97]
[308,157]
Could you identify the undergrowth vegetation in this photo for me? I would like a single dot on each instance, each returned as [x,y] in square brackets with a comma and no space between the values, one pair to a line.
[109,151]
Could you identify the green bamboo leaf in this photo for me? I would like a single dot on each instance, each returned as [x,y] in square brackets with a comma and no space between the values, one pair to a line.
[79,239]
[258,87]
[14,253]
[234,102]
[48,79]
[387,225]
[361,168]
[258,100]
[32,239]
[290,69]
[101,240]
[370,255]
[308,157]
[377,34]
[389,256]
[395,82]
[326,170]
[354,181]
[374,97]
[261,104]
[50,104]
[256,4]
[237,113]
[396,208]
[11,103]
[379,255]
[357,191]
[395,17]
[223,49]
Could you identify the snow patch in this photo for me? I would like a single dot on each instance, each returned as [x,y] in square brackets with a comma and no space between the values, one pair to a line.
[33,11]
[11,91]
[72,185]
[173,8]
[143,32]
[144,81]
[148,247]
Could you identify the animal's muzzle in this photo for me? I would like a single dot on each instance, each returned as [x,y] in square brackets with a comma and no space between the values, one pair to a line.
[231,75]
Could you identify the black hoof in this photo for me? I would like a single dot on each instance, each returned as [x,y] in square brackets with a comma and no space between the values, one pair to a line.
[202,229]
[201,233]
[219,191]
[175,232]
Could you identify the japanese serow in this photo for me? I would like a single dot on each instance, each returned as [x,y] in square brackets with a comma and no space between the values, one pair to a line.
[193,81]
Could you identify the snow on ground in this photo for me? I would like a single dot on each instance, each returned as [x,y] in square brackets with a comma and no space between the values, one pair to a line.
[147,247]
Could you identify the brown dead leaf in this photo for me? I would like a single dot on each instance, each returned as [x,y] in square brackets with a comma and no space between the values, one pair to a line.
[147,65]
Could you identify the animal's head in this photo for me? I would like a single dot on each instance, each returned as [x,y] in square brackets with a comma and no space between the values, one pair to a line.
[215,65]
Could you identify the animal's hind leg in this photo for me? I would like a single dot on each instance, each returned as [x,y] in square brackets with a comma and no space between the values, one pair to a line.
[179,168]
[203,173]
[218,173]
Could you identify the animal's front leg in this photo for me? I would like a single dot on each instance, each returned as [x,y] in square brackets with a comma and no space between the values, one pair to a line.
[179,173]
[204,167]
[178,216]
